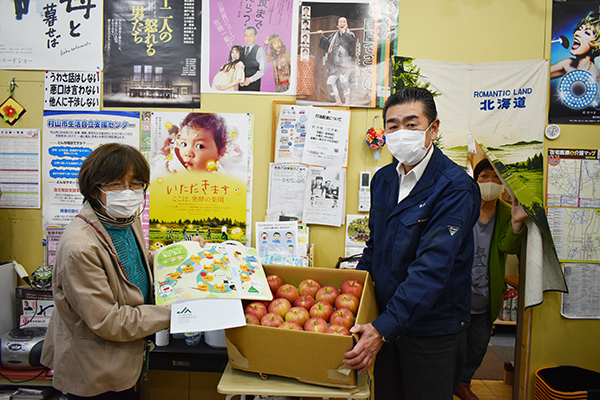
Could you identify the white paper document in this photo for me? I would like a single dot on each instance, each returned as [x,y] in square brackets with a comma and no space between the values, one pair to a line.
[287,184]
[327,138]
[583,299]
[325,196]
[206,315]
[291,133]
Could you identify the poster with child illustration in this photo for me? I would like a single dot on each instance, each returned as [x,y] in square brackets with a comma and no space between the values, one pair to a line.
[200,177]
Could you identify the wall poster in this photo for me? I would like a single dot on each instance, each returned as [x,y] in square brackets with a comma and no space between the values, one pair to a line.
[574,70]
[152,53]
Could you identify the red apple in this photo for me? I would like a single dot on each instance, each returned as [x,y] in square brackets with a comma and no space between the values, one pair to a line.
[297,314]
[328,294]
[347,300]
[316,324]
[280,306]
[338,330]
[287,291]
[274,282]
[309,287]
[304,301]
[343,317]
[352,286]
[322,309]
[291,325]
[257,308]
[271,319]
[252,319]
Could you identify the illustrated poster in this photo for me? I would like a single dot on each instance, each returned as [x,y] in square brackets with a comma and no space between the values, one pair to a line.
[574,69]
[67,139]
[186,271]
[345,51]
[200,173]
[152,53]
[249,46]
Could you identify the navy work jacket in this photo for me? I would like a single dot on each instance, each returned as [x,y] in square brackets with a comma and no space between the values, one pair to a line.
[420,250]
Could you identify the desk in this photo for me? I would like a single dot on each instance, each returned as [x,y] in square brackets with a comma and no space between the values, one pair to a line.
[178,356]
[29,377]
[241,383]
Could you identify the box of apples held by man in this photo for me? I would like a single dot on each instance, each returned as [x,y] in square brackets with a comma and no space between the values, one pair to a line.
[303,332]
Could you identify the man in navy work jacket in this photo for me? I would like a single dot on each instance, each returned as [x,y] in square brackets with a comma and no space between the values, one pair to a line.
[420,253]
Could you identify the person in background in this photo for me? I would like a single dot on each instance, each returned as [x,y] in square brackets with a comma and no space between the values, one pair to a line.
[498,232]
[102,283]
[281,59]
[255,61]
[420,253]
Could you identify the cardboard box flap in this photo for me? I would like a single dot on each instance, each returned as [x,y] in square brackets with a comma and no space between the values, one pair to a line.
[235,357]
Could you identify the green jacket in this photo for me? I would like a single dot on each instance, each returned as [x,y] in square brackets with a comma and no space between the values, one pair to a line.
[504,241]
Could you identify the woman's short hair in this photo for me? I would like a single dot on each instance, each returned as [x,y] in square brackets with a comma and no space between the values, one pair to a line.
[109,163]
[483,165]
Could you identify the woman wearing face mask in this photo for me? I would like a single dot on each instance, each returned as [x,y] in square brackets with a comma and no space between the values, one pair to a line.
[103,284]
[497,233]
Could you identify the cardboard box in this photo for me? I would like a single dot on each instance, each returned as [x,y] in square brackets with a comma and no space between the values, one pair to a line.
[310,357]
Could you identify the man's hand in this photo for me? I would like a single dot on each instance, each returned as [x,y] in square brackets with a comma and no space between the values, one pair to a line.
[320,32]
[246,82]
[518,215]
[363,354]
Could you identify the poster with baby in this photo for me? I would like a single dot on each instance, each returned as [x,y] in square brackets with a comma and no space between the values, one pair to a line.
[200,177]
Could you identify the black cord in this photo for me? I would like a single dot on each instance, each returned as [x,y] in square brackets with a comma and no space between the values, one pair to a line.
[44,371]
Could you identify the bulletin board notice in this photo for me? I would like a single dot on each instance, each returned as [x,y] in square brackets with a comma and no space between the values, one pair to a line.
[20,168]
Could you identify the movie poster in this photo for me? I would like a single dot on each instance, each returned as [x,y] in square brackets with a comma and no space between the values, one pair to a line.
[345,50]
[250,46]
[152,53]
[51,35]
[200,177]
[574,70]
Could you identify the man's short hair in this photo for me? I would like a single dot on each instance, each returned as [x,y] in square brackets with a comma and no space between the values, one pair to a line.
[411,95]
[483,165]
[253,29]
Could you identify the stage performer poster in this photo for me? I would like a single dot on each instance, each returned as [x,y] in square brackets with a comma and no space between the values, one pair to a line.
[574,70]
[51,35]
[345,50]
[201,171]
[68,137]
[250,46]
[501,107]
[152,53]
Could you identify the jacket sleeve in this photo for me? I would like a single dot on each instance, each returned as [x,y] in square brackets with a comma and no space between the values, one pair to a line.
[449,227]
[91,295]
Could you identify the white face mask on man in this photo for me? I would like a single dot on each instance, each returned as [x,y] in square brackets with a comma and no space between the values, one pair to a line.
[407,146]
[123,203]
[490,190]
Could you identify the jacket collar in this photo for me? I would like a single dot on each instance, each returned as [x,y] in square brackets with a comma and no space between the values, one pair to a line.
[426,182]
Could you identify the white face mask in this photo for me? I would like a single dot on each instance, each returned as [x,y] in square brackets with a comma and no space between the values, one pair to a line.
[123,203]
[490,190]
[407,146]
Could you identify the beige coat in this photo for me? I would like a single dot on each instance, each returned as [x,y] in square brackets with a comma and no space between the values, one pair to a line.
[95,340]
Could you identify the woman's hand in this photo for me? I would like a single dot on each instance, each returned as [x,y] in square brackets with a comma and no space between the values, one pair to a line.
[518,215]
[200,240]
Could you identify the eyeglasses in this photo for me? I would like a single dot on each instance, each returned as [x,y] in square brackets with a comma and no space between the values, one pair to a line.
[116,186]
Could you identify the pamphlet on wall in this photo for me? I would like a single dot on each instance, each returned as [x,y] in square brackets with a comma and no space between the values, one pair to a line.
[291,133]
[583,299]
[327,138]
[325,196]
[277,243]
[287,184]
[186,271]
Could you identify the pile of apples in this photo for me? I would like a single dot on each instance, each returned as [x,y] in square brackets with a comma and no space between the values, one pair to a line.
[308,307]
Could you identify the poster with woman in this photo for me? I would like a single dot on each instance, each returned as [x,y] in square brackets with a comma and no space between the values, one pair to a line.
[344,53]
[200,177]
[249,46]
[574,69]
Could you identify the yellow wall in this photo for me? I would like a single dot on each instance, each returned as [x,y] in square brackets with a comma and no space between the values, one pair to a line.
[461,31]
